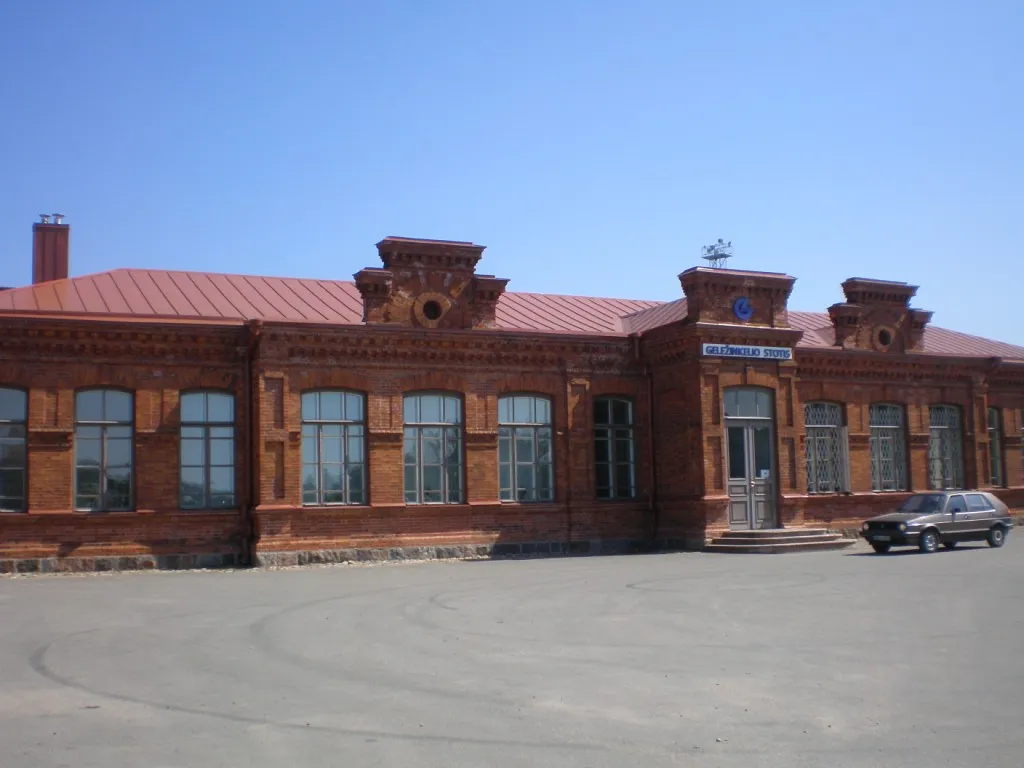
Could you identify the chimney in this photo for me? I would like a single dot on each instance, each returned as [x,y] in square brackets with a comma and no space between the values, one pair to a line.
[50,246]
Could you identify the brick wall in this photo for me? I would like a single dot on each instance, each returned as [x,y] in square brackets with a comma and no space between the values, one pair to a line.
[678,407]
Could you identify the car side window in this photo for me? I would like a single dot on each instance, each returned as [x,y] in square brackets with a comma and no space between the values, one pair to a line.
[977,503]
[957,504]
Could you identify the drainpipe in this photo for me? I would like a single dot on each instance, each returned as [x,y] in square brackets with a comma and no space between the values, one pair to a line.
[652,472]
[250,533]
[568,461]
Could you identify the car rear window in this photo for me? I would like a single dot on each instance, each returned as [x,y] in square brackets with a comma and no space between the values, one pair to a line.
[977,502]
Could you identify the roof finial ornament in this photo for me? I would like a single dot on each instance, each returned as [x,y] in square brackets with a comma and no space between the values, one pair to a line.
[717,254]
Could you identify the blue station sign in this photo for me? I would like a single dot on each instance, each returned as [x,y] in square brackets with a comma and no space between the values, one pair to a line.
[747,352]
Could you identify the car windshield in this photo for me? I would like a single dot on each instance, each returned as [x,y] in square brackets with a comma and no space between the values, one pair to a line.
[924,504]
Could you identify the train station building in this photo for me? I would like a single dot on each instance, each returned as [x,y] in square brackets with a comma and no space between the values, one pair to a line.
[155,418]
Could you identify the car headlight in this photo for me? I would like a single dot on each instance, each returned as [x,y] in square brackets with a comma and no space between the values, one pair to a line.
[864,527]
[903,526]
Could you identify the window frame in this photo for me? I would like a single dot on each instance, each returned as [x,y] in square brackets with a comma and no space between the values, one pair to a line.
[612,435]
[508,434]
[762,396]
[7,439]
[450,431]
[996,463]
[347,426]
[986,504]
[901,478]
[952,465]
[208,439]
[104,425]
[839,433]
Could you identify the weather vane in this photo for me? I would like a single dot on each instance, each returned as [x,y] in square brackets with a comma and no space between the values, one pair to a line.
[717,254]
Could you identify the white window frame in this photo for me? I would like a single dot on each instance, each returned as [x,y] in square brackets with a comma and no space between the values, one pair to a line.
[342,435]
[209,435]
[421,432]
[104,428]
[522,423]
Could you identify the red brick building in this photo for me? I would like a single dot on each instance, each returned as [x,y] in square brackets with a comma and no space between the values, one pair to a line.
[173,419]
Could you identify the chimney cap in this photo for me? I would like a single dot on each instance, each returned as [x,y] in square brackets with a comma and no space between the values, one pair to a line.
[44,218]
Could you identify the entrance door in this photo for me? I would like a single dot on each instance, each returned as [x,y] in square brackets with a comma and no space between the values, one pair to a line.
[751,486]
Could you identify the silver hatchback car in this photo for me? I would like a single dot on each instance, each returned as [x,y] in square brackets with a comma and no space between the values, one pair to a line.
[926,520]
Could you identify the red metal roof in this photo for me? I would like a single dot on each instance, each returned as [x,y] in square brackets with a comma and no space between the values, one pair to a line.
[147,294]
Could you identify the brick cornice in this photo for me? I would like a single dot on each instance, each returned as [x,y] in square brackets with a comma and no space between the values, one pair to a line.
[24,339]
[397,348]
[853,365]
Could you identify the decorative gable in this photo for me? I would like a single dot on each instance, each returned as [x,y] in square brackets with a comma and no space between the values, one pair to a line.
[430,284]
[877,316]
[728,296]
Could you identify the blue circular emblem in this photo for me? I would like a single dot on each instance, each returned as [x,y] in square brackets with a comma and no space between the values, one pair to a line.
[742,309]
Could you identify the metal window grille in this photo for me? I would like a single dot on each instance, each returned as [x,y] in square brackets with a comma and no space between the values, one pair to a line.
[13,447]
[525,449]
[614,450]
[432,449]
[207,450]
[104,448]
[888,448]
[333,448]
[826,448]
[995,447]
[945,448]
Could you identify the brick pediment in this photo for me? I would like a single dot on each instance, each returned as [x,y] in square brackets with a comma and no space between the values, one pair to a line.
[429,284]
[877,316]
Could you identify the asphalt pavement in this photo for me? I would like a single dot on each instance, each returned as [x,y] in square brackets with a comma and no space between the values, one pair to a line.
[838,659]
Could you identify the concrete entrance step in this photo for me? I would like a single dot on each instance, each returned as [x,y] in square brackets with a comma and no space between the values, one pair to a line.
[777,533]
[776,541]
[814,538]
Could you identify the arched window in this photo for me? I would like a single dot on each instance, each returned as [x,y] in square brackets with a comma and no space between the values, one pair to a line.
[433,448]
[945,448]
[207,450]
[13,453]
[826,447]
[333,448]
[888,447]
[524,448]
[614,451]
[104,437]
[995,447]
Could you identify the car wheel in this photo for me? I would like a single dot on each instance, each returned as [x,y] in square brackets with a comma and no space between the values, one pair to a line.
[929,541]
[997,536]
[881,548]
[949,544]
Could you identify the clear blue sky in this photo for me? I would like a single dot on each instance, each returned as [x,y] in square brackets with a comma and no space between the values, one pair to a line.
[592,146]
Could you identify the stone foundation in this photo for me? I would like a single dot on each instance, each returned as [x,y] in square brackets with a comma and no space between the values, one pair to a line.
[324,556]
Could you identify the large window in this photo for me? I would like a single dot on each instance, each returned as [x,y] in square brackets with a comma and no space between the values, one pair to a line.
[826,448]
[945,454]
[888,448]
[614,452]
[104,420]
[995,447]
[333,448]
[207,450]
[433,449]
[524,448]
[13,416]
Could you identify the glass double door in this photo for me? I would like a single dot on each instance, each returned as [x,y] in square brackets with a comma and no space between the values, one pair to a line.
[751,484]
